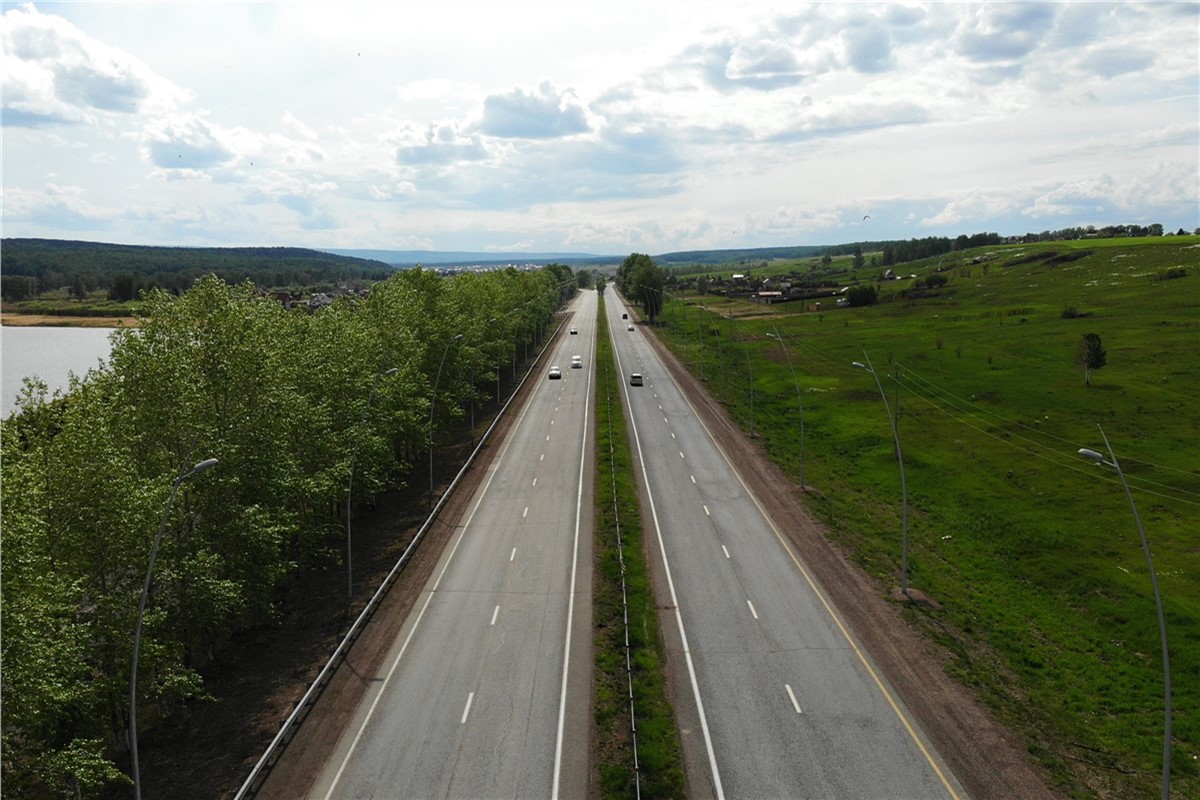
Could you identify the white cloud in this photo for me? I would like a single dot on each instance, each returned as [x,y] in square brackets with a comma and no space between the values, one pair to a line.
[545,113]
[613,127]
[55,73]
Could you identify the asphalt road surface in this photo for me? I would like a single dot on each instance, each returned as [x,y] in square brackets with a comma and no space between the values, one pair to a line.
[486,692]
[778,700]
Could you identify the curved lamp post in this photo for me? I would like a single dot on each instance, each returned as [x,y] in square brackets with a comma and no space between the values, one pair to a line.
[350,483]
[903,487]
[799,402]
[1162,624]
[137,630]
[433,405]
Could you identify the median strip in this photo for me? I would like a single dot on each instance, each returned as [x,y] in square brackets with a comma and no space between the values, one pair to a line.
[637,752]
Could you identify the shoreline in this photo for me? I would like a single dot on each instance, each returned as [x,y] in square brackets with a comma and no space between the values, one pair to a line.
[9,319]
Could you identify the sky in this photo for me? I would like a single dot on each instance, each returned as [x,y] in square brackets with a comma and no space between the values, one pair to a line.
[593,127]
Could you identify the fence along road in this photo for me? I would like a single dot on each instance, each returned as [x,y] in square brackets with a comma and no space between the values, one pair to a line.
[486,692]
[785,702]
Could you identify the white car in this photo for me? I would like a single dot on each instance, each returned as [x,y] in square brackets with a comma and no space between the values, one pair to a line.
[629,328]
[576,362]
[574,331]
[555,374]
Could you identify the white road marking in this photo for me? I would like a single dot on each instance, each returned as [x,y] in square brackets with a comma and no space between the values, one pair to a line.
[693,477]
[467,710]
[681,454]
[525,513]
[513,554]
[535,481]
[752,611]
[495,614]
[726,551]
[547,437]
[706,511]
[792,695]
[542,457]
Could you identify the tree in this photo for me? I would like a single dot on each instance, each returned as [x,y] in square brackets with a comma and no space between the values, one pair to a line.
[858,257]
[1090,355]
[863,295]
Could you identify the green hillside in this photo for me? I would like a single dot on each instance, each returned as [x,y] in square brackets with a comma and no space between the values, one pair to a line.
[1029,552]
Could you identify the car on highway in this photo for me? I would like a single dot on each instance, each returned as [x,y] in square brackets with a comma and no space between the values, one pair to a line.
[635,379]
[574,331]
[629,328]
[576,362]
[555,373]
[624,316]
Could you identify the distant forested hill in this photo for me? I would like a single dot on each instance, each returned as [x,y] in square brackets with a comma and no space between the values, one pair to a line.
[85,267]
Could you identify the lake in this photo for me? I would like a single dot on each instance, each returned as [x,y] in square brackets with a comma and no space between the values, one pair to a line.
[49,353]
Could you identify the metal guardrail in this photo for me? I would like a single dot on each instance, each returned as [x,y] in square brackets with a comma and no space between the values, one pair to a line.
[262,768]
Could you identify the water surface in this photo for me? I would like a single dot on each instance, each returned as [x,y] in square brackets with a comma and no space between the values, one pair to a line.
[49,353]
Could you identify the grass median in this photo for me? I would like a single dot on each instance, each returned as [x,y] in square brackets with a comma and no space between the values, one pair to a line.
[637,742]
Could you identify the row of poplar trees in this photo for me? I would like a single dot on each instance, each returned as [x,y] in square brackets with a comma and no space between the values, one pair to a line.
[285,401]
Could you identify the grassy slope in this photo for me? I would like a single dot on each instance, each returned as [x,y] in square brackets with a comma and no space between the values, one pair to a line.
[1031,552]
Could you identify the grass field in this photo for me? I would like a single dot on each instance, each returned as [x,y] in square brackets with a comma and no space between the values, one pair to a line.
[1030,553]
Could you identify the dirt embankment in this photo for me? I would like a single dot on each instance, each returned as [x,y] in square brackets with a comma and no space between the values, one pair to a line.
[55,321]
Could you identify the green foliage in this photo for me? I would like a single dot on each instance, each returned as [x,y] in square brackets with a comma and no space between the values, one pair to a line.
[1032,553]
[640,279]
[126,270]
[617,515]
[284,401]
[863,295]
[1091,355]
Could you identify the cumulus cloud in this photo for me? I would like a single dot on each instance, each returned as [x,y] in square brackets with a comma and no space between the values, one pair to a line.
[53,73]
[439,144]
[542,114]
[1109,62]
[1004,31]
[185,142]
[972,208]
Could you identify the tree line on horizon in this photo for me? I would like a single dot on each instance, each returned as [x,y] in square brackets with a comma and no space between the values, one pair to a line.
[292,406]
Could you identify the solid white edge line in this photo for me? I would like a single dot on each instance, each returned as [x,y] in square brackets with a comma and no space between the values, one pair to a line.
[416,623]
[562,700]
[687,651]
[837,620]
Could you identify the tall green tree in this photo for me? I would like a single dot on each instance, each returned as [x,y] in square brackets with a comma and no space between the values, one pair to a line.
[1090,355]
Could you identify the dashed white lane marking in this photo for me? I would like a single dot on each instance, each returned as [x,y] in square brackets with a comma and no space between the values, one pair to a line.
[467,710]
[525,513]
[495,614]
[512,555]
[706,511]
[693,479]
[681,454]
[792,695]
[752,611]
[535,481]
[722,548]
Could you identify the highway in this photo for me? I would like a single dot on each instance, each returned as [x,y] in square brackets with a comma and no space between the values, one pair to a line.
[486,692]
[775,699]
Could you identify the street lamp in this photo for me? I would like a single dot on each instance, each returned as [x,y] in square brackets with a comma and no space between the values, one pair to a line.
[899,458]
[799,402]
[1162,624]
[433,405]
[137,630]
[350,483]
